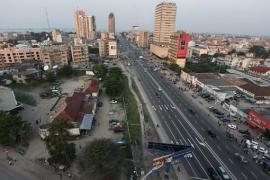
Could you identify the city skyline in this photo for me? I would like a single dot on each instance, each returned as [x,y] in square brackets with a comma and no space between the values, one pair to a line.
[193,16]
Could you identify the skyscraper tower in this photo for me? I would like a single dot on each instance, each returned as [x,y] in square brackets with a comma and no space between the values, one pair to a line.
[85,25]
[165,17]
[79,21]
[111,23]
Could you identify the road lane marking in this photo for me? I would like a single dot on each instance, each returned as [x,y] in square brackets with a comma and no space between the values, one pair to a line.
[196,131]
[253,174]
[160,107]
[244,175]
[230,160]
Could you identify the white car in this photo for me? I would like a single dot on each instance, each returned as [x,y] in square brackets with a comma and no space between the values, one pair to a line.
[232,126]
[263,150]
[113,102]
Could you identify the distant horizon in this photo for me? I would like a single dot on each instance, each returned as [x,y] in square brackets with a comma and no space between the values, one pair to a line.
[245,17]
[24,30]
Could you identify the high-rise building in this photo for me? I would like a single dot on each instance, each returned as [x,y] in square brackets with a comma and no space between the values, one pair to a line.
[111,23]
[165,17]
[178,48]
[79,18]
[90,27]
[85,25]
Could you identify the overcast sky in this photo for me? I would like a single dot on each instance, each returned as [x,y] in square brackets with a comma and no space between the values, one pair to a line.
[219,16]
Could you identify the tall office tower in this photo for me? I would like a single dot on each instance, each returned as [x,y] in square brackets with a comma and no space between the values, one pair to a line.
[90,27]
[111,23]
[165,16]
[79,18]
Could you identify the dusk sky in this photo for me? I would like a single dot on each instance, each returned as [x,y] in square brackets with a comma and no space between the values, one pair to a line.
[250,17]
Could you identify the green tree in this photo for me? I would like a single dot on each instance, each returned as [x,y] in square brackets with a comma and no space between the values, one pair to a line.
[100,70]
[266,133]
[175,68]
[114,82]
[66,70]
[50,76]
[259,51]
[13,130]
[57,144]
[101,159]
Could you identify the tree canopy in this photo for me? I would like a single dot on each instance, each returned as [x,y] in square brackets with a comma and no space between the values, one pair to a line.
[259,52]
[175,68]
[205,67]
[114,82]
[101,159]
[66,70]
[57,144]
[13,130]
[100,70]
[50,76]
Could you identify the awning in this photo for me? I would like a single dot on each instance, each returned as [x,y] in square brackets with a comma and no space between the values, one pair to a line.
[87,122]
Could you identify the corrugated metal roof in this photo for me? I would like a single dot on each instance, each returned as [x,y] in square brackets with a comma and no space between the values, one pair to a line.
[87,122]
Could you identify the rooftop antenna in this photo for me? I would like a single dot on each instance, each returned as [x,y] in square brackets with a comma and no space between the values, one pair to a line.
[47,19]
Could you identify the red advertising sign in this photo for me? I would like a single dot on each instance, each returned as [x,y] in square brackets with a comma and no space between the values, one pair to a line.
[182,45]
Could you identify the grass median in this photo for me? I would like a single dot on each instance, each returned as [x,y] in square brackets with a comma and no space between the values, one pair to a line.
[133,116]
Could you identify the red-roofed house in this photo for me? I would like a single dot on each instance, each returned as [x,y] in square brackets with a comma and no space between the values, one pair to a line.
[92,88]
[260,70]
[254,91]
[72,110]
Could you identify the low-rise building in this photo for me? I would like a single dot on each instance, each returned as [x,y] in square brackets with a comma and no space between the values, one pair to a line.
[159,50]
[112,49]
[14,55]
[143,39]
[79,54]
[27,76]
[259,119]
[262,71]
[102,47]
[57,36]
[55,55]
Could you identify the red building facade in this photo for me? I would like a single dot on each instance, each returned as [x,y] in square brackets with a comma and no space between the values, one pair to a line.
[183,45]
[258,121]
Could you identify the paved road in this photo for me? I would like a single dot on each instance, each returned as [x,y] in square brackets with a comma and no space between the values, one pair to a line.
[173,109]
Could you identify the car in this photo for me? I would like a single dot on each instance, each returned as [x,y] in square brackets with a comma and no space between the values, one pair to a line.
[191,111]
[213,174]
[240,158]
[244,131]
[230,136]
[247,136]
[263,150]
[113,102]
[232,126]
[99,104]
[211,134]
[223,173]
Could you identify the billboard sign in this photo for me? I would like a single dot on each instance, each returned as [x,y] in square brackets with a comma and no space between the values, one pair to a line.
[183,45]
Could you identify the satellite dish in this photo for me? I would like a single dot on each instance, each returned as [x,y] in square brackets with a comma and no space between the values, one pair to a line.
[55,67]
[46,67]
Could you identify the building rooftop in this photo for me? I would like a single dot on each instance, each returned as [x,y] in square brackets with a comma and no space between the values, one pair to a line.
[255,89]
[260,69]
[212,79]
[7,99]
